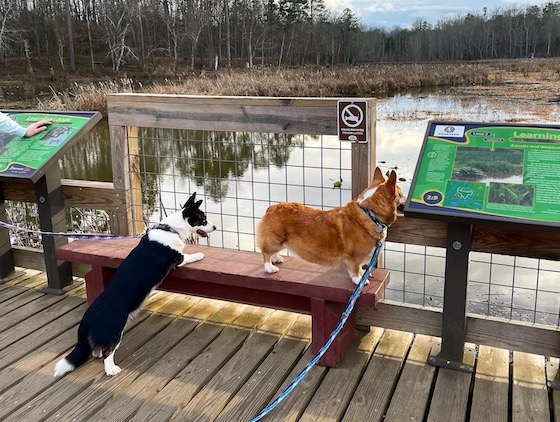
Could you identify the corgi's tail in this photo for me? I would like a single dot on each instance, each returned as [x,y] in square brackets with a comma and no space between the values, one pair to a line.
[77,357]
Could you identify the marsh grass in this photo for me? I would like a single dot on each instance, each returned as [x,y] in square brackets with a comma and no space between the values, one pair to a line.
[86,97]
[368,80]
[377,80]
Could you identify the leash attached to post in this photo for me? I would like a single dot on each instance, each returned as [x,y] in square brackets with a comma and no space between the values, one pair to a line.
[345,315]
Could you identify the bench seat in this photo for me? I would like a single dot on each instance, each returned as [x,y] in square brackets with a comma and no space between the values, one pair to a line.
[239,276]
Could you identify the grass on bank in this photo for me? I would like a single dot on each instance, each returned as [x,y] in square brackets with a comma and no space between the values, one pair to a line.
[368,80]
[359,81]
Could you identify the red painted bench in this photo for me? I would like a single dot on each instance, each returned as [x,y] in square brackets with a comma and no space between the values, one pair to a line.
[239,276]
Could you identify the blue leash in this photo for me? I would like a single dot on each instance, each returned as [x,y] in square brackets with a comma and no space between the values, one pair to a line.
[345,315]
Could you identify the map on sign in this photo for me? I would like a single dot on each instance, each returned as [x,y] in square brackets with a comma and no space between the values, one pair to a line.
[488,171]
[27,157]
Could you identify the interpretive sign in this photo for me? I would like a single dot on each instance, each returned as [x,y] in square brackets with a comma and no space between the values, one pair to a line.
[488,171]
[27,158]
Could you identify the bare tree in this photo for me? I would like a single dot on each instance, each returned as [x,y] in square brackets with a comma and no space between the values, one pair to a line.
[117,21]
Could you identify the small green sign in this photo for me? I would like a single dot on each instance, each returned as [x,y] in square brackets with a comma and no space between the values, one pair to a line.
[488,171]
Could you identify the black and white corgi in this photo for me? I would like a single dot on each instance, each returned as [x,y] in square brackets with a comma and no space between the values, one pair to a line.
[158,252]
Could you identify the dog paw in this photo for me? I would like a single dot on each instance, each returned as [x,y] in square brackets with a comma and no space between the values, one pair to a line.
[189,259]
[62,367]
[356,280]
[277,259]
[271,269]
[112,370]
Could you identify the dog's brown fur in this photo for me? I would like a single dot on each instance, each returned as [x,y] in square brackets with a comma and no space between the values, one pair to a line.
[341,235]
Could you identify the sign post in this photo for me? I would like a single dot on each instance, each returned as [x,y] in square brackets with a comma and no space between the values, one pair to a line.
[36,159]
[485,173]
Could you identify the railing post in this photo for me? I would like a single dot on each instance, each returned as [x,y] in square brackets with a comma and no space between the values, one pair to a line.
[363,154]
[134,188]
[126,179]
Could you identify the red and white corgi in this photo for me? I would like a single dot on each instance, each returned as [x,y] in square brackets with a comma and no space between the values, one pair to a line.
[343,235]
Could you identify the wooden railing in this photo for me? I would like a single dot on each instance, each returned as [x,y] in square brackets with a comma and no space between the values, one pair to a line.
[307,116]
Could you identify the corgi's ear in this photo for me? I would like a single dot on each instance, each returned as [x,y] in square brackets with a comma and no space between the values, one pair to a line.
[378,176]
[392,181]
[197,204]
[190,201]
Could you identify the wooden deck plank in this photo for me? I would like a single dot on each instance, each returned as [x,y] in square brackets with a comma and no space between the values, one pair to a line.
[147,385]
[190,380]
[32,362]
[127,397]
[37,382]
[529,395]
[256,392]
[372,396]
[292,407]
[236,388]
[9,292]
[36,339]
[491,386]
[64,389]
[552,373]
[451,392]
[89,401]
[411,397]
[18,301]
[39,313]
[331,399]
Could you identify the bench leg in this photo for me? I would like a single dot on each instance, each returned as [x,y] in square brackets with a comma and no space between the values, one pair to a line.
[325,318]
[96,281]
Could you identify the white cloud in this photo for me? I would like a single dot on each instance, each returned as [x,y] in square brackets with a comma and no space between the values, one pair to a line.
[389,13]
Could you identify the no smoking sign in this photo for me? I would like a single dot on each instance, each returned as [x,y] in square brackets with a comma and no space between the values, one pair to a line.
[353,121]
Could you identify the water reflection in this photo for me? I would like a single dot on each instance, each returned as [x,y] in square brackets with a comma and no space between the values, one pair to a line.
[211,161]
[90,158]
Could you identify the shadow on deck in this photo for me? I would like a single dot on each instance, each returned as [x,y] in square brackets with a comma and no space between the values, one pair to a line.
[192,359]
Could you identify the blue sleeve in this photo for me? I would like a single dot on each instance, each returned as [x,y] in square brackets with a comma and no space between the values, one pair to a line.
[9,126]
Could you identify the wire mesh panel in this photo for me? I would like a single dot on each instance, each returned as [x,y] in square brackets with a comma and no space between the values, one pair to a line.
[239,175]
[516,288]
[78,220]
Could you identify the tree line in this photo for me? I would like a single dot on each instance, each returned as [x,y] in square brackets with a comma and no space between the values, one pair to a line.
[231,33]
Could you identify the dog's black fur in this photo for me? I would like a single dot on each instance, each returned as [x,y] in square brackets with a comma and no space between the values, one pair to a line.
[102,325]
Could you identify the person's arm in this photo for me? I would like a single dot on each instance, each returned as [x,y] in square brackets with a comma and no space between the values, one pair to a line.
[10,126]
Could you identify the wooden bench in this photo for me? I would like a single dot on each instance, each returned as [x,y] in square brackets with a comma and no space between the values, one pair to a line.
[239,276]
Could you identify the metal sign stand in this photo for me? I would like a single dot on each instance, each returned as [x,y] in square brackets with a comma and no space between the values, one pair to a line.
[452,353]
[52,218]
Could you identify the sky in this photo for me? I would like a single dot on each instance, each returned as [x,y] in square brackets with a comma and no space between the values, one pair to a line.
[389,13]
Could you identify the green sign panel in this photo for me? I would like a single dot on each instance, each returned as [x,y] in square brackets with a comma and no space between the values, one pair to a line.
[27,158]
[487,171]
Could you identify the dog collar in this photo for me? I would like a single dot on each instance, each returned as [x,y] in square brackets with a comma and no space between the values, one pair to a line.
[164,227]
[380,226]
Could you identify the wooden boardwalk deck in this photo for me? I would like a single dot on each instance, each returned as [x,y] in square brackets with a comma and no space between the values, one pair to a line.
[193,359]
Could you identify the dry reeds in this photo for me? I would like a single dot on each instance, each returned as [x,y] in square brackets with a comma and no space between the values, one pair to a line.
[375,80]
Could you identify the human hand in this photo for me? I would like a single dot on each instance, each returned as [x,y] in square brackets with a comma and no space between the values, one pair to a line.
[37,127]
